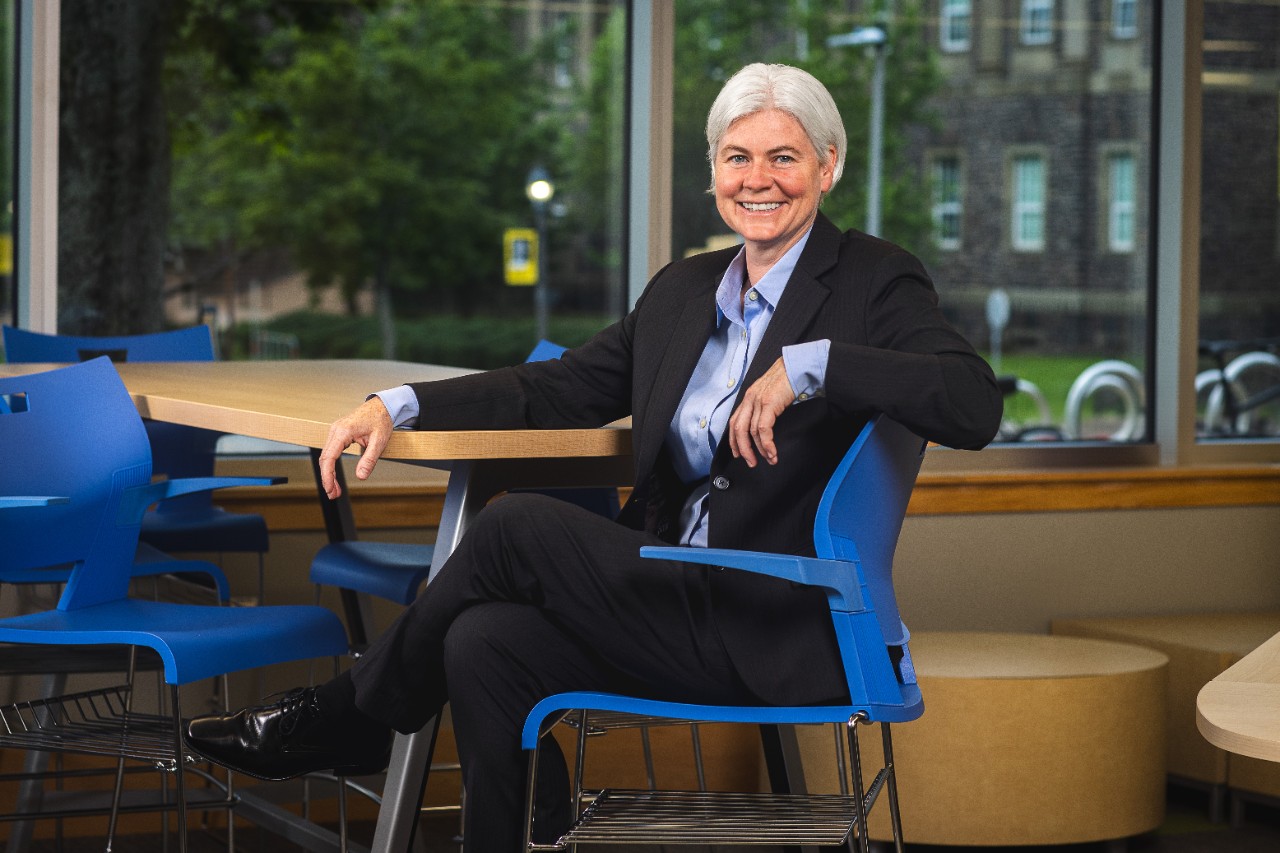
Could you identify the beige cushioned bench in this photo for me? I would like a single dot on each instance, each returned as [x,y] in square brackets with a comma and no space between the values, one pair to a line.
[1026,739]
[1199,647]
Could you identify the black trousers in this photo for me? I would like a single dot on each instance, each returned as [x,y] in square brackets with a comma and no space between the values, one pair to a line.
[540,597]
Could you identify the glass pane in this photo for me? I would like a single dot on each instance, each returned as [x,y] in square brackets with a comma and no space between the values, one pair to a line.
[343,179]
[1072,350]
[1238,384]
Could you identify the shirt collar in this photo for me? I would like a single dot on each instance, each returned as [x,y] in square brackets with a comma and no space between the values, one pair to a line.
[770,287]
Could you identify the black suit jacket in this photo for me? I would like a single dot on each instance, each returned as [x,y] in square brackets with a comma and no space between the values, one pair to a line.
[891,352]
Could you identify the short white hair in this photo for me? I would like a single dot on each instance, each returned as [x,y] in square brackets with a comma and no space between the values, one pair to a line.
[796,92]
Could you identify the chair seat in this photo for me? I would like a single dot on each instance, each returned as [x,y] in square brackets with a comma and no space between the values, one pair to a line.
[194,641]
[209,528]
[390,570]
[912,708]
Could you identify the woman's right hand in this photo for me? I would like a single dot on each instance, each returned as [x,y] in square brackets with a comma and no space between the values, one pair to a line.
[368,426]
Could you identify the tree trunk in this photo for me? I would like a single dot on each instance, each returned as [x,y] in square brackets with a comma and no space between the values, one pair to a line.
[113,183]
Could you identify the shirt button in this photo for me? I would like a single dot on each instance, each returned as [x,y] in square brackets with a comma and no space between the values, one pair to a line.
[720,482]
[702,424]
[732,382]
[802,396]
[753,296]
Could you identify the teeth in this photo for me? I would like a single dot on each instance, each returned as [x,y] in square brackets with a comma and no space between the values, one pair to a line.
[773,205]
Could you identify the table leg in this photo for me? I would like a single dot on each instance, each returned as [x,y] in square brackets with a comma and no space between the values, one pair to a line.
[340,525]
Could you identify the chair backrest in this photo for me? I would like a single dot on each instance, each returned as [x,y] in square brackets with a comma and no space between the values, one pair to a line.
[177,451]
[192,344]
[862,509]
[79,436]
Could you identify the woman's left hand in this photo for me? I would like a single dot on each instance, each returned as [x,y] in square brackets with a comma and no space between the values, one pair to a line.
[751,426]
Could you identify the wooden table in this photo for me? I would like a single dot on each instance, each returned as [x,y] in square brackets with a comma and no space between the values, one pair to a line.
[1240,709]
[295,401]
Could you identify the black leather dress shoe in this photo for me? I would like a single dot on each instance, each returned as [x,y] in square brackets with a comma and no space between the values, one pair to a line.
[289,738]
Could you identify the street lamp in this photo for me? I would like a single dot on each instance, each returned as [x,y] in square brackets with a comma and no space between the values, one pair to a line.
[540,189]
[877,39]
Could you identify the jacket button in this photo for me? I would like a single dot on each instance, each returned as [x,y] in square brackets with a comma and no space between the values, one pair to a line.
[720,482]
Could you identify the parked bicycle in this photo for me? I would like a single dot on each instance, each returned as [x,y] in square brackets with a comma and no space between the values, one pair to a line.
[1239,397]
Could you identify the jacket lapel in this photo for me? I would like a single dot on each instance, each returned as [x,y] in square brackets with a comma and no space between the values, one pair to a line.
[688,338]
[801,300]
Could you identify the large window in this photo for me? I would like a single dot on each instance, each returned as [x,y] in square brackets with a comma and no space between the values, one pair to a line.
[1238,382]
[272,243]
[336,179]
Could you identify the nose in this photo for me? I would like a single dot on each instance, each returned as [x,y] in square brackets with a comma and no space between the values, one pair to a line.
[758,176]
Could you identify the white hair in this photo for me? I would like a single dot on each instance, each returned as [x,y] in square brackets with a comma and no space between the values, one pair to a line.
[779,87]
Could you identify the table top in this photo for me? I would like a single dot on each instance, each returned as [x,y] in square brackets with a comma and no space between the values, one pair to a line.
[295,401]
[1240,709]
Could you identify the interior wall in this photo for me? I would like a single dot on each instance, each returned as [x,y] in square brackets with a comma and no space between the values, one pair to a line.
[1016,572]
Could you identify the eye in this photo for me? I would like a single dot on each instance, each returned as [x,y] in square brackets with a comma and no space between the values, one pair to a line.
[736,159]
[784,159]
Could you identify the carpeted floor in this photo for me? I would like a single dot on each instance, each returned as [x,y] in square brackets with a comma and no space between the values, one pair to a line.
[1186,830]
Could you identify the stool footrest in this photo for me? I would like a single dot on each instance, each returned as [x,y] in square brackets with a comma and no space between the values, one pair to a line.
[712,817]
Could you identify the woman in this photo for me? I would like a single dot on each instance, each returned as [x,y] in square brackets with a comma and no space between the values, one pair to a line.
[821,329]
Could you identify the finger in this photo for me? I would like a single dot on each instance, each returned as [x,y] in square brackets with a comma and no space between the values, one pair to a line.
[328,476]
[763,433]
[741,431]
[376,442]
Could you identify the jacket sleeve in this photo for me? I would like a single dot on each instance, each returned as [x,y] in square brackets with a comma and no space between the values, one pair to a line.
[915,367]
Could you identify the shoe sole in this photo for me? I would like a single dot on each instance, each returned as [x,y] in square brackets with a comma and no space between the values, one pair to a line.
[345,770]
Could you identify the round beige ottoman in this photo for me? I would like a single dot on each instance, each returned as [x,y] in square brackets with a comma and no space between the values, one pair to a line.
[1026,739]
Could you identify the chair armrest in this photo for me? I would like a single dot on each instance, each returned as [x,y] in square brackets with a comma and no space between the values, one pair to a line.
[838,577]
[134,501]
[14,501]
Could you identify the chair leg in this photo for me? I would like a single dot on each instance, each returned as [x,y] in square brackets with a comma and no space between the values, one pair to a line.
[648,758]
[696,736]
[342,814]
[531,780]
[124,734]
[178,771]
[860,809]
[895,815]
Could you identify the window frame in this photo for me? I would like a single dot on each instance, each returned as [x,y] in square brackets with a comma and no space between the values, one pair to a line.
[1124,25]
[1173,204]
[949,14]
[1019,208]
[1035,23]
[1117,210]
[941,207]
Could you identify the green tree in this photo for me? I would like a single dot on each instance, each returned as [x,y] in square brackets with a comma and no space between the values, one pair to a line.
[393,153]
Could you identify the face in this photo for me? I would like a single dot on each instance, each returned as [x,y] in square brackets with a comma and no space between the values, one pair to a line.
[769,180]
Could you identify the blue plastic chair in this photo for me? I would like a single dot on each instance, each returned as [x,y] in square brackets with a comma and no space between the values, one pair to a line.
[396,570]
[106,475]
[855,534]
[190,523]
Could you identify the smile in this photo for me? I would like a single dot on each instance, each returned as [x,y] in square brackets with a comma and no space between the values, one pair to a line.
[760,208]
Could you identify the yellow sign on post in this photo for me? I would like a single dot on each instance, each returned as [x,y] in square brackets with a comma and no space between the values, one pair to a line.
[520,256]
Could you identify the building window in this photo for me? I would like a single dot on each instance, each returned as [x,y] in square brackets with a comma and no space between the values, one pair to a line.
[946,202]
[1124,19]
[954,28]
[1037,21]
[1120,202]
[1028,203]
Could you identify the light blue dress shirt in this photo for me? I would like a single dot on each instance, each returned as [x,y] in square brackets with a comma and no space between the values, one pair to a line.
[700,419]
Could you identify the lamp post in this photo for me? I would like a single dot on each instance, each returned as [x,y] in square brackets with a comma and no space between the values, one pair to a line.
[877,39]
[540,189]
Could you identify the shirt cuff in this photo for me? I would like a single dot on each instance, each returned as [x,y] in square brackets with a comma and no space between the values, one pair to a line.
[402,404]
[806,366]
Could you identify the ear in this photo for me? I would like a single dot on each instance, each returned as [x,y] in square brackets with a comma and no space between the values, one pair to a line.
[828,170]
